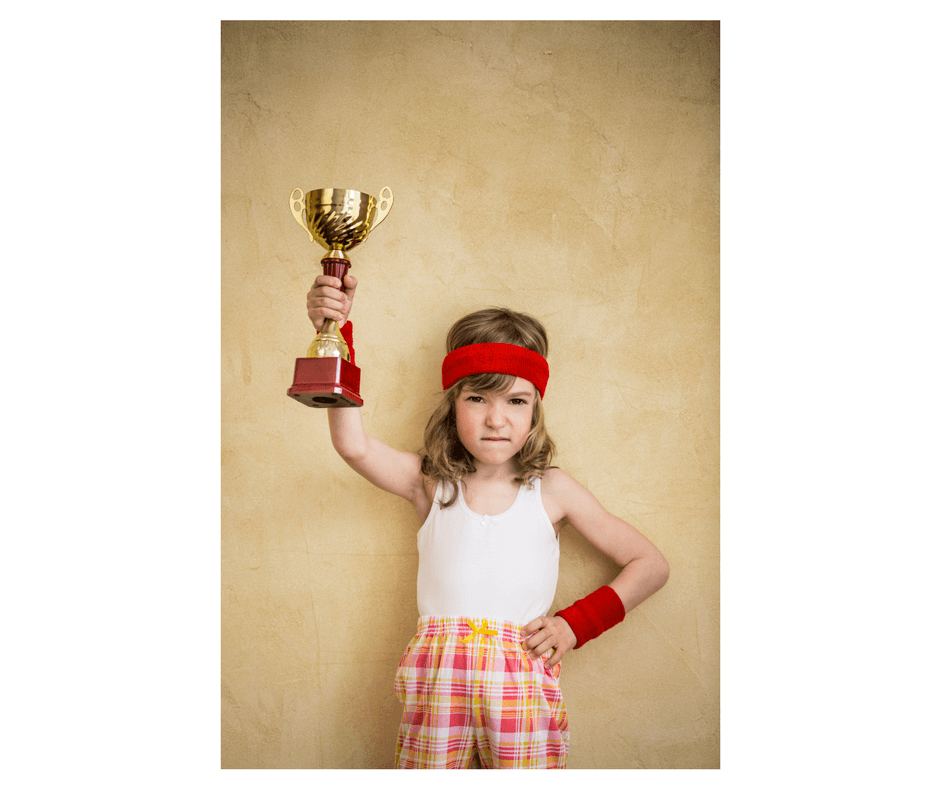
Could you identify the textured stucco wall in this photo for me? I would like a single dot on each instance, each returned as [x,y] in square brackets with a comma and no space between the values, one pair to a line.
[569,170]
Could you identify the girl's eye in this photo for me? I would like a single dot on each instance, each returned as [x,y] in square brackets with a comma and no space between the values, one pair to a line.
[474,398]
[518,401]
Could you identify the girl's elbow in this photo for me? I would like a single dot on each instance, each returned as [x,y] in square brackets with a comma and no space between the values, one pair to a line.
[660,570]
[351,452]
[663,572]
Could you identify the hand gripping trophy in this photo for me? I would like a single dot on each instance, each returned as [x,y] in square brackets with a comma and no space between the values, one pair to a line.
[339,219]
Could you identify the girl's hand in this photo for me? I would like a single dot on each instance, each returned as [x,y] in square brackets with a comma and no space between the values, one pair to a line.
[326,300]
[549,633]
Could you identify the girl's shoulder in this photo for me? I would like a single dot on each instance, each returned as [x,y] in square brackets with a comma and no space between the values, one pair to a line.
[556,480]
[556,486]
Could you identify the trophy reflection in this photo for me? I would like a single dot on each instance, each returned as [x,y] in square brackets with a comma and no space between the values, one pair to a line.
[339,220]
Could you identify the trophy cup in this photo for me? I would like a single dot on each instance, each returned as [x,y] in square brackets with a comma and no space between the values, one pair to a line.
[339,220]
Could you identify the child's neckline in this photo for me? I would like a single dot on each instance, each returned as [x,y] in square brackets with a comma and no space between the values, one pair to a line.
[487,517]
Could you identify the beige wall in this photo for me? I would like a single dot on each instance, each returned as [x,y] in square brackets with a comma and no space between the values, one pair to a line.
[569,170]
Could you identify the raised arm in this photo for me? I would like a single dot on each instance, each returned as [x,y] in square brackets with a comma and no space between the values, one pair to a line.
[394,471]
[391,470]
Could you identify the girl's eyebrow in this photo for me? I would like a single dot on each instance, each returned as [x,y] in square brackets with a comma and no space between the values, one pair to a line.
[511,395]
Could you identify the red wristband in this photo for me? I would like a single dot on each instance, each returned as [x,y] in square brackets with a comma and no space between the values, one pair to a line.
[594,615]
[346,331]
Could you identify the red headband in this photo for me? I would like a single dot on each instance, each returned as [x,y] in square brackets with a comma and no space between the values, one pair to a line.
[495,357]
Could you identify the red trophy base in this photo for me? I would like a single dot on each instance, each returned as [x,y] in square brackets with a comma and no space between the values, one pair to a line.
[326,383]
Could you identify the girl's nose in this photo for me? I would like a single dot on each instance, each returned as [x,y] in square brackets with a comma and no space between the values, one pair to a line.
[494,416]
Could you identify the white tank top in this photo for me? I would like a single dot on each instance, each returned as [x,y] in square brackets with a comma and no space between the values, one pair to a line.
[502,567]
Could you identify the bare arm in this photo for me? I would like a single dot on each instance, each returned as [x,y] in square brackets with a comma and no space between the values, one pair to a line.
[388,469]
[645,569]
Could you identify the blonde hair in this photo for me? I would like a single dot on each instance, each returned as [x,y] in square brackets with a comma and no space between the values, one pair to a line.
[444,458]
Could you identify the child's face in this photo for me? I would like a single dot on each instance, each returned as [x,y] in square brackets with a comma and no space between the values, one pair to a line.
[493,426]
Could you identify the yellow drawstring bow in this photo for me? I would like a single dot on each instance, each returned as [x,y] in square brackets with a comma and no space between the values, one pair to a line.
[484,629]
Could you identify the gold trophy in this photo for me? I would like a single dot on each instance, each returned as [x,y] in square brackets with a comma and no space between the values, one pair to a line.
[339,220]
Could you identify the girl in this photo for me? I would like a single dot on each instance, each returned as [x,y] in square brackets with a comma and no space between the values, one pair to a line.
[478,683]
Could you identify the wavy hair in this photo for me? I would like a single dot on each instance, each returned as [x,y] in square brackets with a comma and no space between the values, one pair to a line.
[444,457]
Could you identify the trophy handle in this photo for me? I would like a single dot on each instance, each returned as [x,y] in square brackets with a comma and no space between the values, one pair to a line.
[384,206]
[297,208]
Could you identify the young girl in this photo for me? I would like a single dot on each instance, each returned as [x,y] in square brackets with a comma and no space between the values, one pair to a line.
[478,683]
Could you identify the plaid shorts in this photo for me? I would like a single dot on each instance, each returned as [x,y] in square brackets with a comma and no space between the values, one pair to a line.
[471,696]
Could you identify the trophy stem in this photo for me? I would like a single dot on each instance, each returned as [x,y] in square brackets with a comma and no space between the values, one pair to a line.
[335,266]
[329,342]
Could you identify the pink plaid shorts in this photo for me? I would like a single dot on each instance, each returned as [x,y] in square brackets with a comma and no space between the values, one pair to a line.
[472,697]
